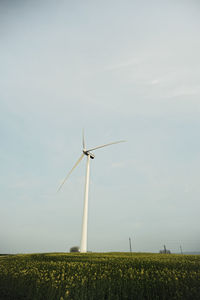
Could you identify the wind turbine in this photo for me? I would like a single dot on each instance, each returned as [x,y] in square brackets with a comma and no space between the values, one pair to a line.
[89,155]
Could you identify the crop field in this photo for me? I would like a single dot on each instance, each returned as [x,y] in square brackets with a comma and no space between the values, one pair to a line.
[99,276]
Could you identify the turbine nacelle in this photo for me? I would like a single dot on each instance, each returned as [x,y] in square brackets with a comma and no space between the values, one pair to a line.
[92,156]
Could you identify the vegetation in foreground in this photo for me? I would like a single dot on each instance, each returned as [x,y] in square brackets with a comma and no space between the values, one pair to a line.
[99,276]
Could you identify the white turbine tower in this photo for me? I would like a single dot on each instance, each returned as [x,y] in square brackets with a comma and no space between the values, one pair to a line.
[90,155]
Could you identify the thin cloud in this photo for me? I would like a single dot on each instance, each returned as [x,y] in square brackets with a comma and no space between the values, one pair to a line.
[125,64]
[186,91]
[118,165]
[155,81]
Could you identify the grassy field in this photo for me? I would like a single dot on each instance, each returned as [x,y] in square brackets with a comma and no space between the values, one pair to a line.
[99,276]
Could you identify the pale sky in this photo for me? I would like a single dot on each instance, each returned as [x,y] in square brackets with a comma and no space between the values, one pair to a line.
[120,70]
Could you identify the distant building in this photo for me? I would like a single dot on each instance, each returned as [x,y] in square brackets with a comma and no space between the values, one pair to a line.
[165,251]
[75,249]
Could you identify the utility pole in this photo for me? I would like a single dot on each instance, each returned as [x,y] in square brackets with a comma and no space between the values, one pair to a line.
[130,244]
[181,249]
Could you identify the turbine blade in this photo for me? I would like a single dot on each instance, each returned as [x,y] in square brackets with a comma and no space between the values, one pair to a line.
[106,145]
[83,139]
[76,164]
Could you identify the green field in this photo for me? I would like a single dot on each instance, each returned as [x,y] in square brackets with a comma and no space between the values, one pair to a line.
[100,276]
